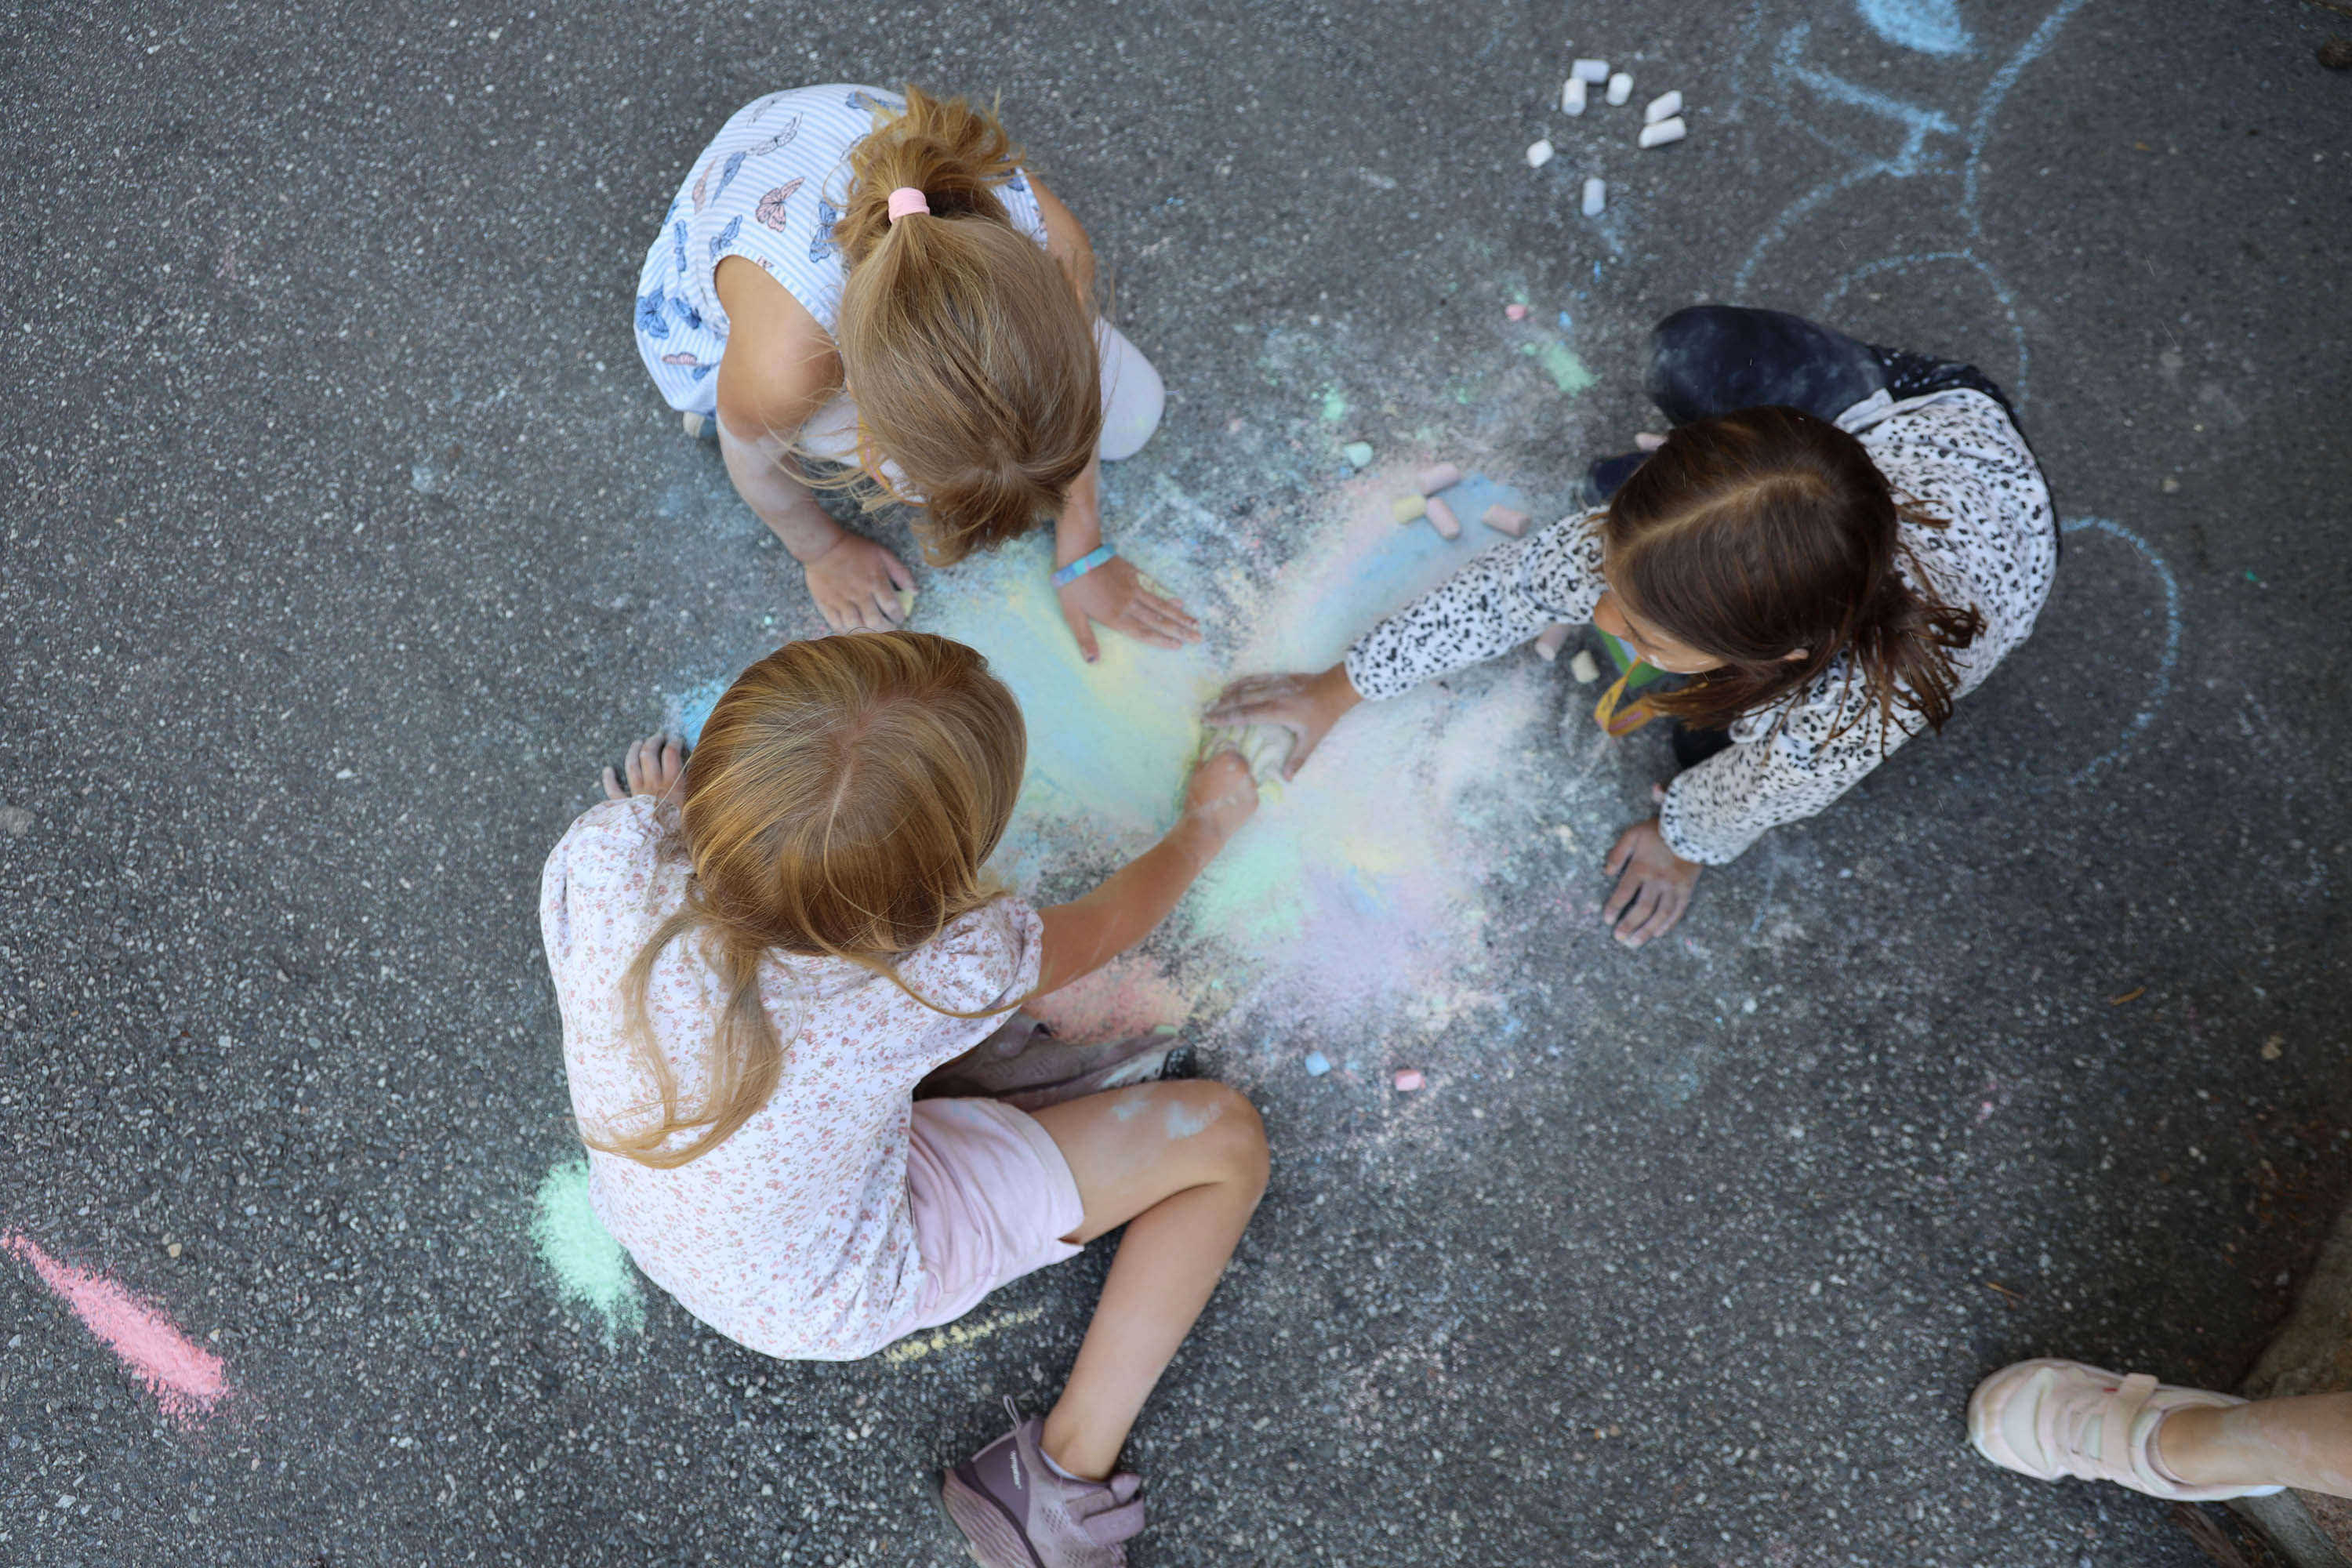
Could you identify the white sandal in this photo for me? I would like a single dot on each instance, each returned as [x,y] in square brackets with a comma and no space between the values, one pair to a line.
[2052,1418]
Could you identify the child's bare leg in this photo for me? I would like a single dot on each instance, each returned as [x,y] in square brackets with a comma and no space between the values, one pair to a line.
[1182,1166]
[2304,1442]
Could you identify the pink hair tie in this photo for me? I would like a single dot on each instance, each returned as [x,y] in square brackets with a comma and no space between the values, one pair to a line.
[907,199]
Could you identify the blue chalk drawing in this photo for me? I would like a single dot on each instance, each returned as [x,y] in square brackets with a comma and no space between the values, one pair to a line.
[1932,146]
[2160,688]
[691,709]
[1930,27]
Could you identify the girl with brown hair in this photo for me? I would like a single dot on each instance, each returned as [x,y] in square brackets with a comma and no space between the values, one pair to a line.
[875,282]
[764,952]
[1835,544]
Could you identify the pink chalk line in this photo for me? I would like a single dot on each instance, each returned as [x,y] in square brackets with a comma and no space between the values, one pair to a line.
[187,1380]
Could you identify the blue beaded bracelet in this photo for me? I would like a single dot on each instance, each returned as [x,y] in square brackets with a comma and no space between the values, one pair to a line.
[1082,565]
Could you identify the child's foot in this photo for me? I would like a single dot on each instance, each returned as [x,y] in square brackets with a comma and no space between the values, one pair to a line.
[2052,1418]
[1016,1511]
[1031,1070]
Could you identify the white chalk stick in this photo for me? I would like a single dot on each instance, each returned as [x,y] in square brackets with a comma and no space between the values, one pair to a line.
[1664,131]
[1548,646]
[1594,71]
[1584,667]
[1442,518]
[1571,96]
[1648,440]
[1621,88]
[1665,106]
[1596,197]
[1503,519]
[1539,152]
[1437,477]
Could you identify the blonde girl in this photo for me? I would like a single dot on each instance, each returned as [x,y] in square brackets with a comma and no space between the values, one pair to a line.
[761,951]
[874,280]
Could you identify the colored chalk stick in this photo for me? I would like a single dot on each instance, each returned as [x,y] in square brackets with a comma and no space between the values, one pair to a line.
[1408,508]
[1503,519]
[1437,477]
[905,603]
[1358,453]
[1516,312]
[1584,667]
[1316,1064]
[1442,518]
[1408,1080]
[1548,643]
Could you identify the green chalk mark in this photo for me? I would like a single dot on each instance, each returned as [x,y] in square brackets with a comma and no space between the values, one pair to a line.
[1335,407]
[589,1266]
[1566,371]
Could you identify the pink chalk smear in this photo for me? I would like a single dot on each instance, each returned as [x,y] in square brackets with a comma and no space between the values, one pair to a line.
[1125,997]
[186,1380]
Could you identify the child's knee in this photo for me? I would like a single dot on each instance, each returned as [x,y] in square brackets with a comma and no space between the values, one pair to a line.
[1239,1133]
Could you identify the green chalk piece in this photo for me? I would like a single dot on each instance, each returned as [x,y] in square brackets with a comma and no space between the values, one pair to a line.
[1358,453]
[1566,371]
[589,1266]
[1335,407]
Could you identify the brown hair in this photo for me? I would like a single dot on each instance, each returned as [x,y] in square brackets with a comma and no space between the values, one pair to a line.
[842,802]
[1766,530]
[965,347]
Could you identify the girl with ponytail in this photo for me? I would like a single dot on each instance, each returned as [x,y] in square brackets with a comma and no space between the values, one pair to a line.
[789,987]
[1834,545]
[874,284]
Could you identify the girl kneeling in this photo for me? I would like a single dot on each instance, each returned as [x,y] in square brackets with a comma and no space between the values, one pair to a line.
[1837,544]
[760,952]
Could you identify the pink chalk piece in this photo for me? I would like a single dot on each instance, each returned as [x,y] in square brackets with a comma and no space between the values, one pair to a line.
[1442,518]
[1503,519]
[1438,477]
[1516,312]
[1408,1080]
[1234,425]
[1554,638]
[187,1380]
[1648,440]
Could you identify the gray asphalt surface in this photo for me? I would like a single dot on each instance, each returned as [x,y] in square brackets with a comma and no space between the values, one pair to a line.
[345,539]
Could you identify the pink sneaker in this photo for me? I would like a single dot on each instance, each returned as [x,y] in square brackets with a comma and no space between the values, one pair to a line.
[2052,1418]
[1014,1510]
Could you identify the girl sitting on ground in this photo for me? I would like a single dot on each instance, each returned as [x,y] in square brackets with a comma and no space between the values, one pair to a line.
[762,953]
[873,281]
[1836,543]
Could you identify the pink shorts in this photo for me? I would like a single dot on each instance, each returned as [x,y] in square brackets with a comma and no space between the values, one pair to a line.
[992,1199]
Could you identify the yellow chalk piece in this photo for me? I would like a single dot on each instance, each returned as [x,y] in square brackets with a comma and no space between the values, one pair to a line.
[1408,507]
[905,603]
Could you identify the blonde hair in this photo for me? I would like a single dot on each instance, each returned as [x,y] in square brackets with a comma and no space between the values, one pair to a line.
[965,347]
[843,803]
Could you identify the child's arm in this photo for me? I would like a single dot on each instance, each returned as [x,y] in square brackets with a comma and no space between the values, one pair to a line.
[1490,606]
[778,370]
[1113,592]
[1085,935]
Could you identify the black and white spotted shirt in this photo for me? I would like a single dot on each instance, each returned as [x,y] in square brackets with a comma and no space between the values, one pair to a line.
[1954,452]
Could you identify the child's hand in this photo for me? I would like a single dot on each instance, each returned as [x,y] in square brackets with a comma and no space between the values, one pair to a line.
[1654,890]
[1114,594]
[856,585]
[1306,705]
[656,765]
[1220,797]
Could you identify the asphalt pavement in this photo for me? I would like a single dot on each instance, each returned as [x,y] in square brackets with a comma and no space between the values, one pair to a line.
[343,539]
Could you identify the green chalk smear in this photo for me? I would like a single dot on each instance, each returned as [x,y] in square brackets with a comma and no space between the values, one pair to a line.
[1566,371]
[1335,407]
[590,1266]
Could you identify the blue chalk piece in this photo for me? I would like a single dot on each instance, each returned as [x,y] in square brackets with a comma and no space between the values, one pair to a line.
[1564,322]
[1318,1064]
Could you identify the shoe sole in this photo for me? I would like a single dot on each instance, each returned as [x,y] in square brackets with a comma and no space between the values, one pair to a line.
[990,1534]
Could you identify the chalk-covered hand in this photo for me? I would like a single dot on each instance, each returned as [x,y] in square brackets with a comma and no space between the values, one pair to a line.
[856,582]
[1306,705]
[1114,594]
[1654,887]
[1220,798]
[654,766]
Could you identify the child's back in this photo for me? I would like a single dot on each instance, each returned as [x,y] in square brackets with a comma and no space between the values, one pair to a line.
[793,1235]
